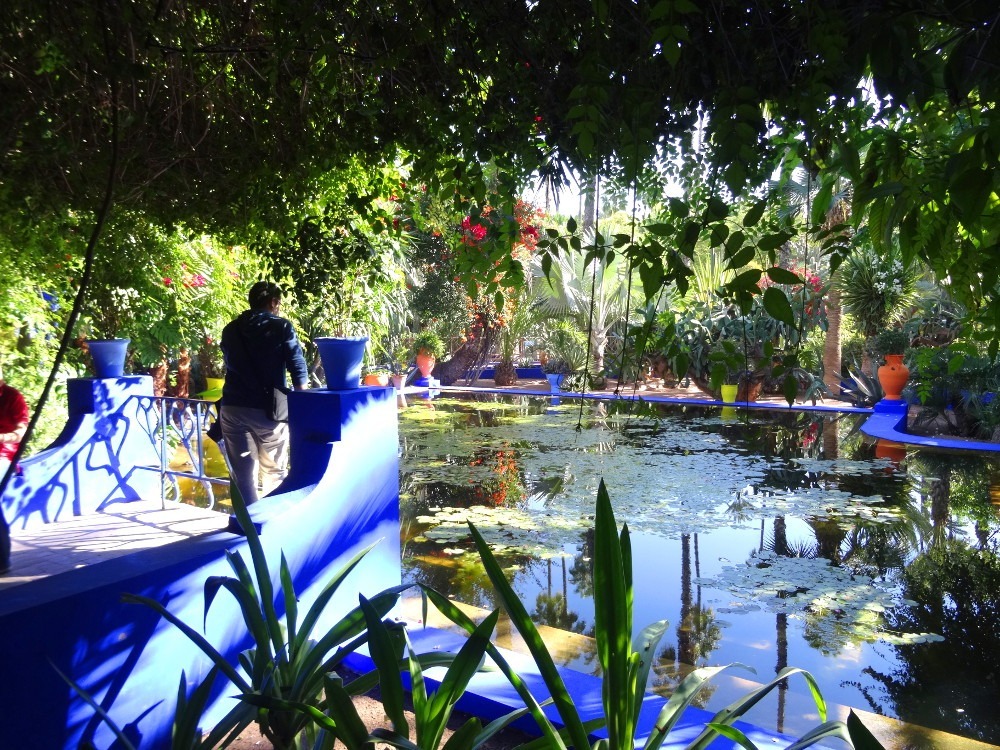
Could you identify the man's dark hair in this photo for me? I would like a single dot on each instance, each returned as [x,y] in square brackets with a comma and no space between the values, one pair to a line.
[262,293]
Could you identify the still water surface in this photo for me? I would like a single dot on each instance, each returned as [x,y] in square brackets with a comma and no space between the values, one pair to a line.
[767,538]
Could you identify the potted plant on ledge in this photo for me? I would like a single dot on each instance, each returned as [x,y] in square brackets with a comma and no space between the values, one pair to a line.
[400,366]
[376,376]
[428,348]
[213,370]
[556,369]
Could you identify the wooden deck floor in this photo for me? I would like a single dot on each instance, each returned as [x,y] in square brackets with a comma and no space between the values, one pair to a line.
[126,527]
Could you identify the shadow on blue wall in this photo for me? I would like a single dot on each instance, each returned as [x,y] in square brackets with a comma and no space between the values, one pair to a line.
[341,495]
[97,459]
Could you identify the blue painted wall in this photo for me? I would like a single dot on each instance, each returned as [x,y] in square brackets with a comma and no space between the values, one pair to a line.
[340,497]
[93,463]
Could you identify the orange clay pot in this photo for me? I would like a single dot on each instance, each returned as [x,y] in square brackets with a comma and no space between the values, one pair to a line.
[893,376]
[425,363]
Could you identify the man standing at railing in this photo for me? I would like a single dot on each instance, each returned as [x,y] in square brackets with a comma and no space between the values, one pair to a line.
[13,423]
[258,348]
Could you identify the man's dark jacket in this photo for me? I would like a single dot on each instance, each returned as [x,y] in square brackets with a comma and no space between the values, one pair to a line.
[258,348]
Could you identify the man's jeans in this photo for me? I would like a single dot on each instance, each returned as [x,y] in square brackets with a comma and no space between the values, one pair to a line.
[257,447]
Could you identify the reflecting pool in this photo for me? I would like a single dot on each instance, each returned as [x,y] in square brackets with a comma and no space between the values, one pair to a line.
[764,537]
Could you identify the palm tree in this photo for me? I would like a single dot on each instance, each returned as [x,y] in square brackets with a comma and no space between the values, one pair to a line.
[594,295]
[801,194]
[524,314]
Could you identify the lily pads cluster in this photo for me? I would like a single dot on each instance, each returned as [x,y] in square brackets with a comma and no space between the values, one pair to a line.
[837,605]
[672,478]
[694,478]
[504,529]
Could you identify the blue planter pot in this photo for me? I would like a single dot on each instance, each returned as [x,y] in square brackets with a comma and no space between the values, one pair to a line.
[108,356]
[555,380]
[341,359]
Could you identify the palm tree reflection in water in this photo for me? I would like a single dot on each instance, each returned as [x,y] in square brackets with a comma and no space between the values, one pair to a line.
[698,634]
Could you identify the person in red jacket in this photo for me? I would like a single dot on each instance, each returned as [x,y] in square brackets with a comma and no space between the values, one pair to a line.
[13,424]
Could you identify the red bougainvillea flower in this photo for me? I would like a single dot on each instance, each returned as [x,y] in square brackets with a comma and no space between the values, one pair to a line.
[472,233]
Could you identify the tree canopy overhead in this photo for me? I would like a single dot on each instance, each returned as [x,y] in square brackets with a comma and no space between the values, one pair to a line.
[229,113]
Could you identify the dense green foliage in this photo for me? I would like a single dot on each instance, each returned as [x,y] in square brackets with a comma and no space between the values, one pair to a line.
[255,123]
[230,114]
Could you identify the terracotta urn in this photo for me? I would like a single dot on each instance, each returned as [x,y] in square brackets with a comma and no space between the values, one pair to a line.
[425,363]
[376,378]
[892,376]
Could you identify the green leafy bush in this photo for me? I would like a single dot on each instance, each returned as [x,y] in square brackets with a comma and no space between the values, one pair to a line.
[955,385]
[890,341]
[429,343]
[558,366]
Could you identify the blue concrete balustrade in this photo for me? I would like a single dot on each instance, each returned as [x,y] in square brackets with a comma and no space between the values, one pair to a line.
[102,456]
[342,494]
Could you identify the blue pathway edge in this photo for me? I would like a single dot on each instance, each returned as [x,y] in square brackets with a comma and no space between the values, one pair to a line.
[490,695]
[889,420]
[647,396]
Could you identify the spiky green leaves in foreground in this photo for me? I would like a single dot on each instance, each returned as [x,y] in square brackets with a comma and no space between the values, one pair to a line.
[625,662]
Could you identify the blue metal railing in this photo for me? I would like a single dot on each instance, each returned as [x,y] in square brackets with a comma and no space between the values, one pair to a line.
[177,427]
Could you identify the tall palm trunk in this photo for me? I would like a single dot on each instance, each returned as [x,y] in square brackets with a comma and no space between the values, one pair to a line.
[587,223]
[940,506]
[831,439]
[839,213]
[832,343]
[589,217]
[597,346]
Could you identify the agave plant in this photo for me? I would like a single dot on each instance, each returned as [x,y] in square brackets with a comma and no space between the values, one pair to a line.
[865,389]
[287,660]
[338,718]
